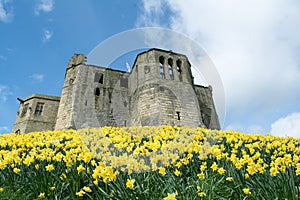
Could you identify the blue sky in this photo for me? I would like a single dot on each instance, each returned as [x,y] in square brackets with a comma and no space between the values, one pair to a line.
[254,46]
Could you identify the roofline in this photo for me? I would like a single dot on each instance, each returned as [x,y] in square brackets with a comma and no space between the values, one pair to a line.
[152,49]
[209,87]
[156,49]
[40,96]
[95,66]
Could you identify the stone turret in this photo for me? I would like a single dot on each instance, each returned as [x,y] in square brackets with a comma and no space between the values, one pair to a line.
[66,107]
[162,90]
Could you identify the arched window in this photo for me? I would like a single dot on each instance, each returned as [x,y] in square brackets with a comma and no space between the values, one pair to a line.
[97,92]
[178,67]
[170,64]
[161,66]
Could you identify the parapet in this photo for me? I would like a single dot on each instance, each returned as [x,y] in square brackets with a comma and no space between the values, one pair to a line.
[77,59]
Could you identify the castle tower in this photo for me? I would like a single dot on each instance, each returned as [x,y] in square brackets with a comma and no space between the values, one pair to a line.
[92,96]
[36,113]
[66,107]
[162,90]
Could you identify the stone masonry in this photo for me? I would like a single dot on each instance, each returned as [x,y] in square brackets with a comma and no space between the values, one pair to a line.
[158,90]
[36,112]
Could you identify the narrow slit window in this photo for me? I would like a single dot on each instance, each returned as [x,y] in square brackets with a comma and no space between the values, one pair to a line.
[161,66]
[147,69]
[170,64]
[97,92]
[178,115]
[178,67]
[38,109]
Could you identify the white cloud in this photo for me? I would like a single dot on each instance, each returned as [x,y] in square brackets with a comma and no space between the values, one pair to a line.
[47,35]
[6,11]
[37,77]
[4,92]
[152,13]
[287,126]
[254,44]
[4,129]
[44,6]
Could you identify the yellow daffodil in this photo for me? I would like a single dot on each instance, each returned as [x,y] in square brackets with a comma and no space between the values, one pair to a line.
[221,170]
[201,194]
[214,166]
[87,189]
[42,195]
[246,191]
[130,183]
[16,170]
[170,196]
[52,188]
[80,193]
[49,168]
[80,169]
[162,171]
[229,179]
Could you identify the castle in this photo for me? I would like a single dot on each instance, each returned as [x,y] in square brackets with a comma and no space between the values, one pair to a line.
[158,90]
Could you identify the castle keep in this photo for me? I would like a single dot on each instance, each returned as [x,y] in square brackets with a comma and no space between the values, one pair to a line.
[159,90]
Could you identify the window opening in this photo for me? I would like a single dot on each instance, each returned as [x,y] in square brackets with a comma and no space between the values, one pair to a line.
[178,115]
[124,82]
[178,67]
[24,110]
[170,63]
[147,69]
[98,78]
[97,92]
[39,109]
[161,66]
[109,96]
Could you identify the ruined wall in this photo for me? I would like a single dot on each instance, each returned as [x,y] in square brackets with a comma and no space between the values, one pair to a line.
[37,113]
[101,98]
[207,106]
[93,96]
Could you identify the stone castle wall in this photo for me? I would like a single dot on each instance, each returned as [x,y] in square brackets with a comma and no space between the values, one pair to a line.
[159,90]
[168,100]
[207,106]
[29,119]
